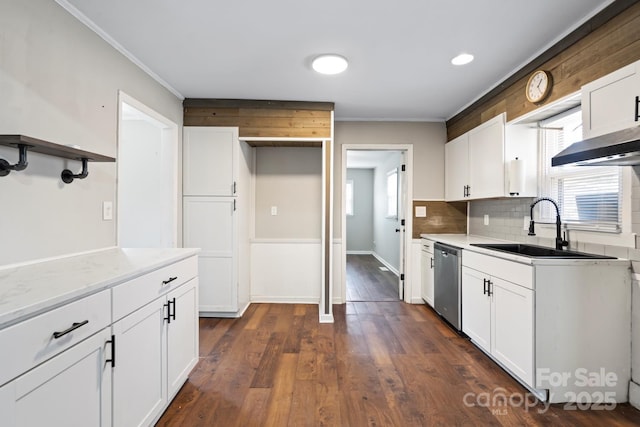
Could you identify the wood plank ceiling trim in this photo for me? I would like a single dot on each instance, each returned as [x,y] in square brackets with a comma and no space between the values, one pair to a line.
[608,41]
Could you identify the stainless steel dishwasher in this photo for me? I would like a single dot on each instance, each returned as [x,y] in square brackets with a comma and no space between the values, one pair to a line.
[447,272]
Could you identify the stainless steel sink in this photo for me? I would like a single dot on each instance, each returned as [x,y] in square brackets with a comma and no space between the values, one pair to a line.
[533,251]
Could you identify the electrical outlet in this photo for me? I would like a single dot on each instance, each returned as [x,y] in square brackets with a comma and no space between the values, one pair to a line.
[274,210]
[107,211]
[525,225]
[486,219]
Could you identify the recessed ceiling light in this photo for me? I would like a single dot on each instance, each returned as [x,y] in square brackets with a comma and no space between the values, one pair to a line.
[330,64]
[462,59]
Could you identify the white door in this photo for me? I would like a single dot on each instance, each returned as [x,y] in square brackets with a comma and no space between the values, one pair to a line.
[140,372]
[147,178]
[210,224]
[512,328]
[73,389]
[182,334]
[476,307]
[209,155]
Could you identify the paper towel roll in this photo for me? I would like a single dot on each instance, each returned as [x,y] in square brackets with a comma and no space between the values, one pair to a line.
[516,176]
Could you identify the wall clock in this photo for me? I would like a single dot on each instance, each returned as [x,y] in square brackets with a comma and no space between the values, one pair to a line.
[538,86]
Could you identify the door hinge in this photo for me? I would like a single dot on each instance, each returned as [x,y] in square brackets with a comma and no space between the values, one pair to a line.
[403,168]
[112,341]
[402,276]
[402,222]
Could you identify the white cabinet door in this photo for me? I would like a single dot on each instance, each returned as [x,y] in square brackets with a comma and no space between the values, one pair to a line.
[182,335]
[610,103]
[209,155]
[139,375]
[73,389]
[486,159]
[456,166]
[476,308]
[427,277]
[512,328]
[210,224]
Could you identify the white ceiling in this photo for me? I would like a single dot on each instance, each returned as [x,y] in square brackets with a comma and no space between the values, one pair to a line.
[399,51]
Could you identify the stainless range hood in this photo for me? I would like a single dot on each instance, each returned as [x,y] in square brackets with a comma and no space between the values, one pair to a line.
[621,148]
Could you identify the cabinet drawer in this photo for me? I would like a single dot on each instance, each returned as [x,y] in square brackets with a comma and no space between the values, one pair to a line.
[510,271]
[427,245]
[32,342]
[135,293]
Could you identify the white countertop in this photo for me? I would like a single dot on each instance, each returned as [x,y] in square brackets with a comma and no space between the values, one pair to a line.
[464,241]
[28,290]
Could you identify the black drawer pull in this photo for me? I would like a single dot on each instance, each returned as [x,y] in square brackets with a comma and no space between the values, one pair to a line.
[637,108]
[72,328]
[171,279]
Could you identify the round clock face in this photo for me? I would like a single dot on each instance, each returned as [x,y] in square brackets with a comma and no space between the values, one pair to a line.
[538,86]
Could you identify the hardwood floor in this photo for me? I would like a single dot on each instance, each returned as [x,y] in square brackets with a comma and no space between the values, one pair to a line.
[366,282]
[379,364]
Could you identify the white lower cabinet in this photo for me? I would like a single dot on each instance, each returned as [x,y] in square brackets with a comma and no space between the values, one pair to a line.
[426,271]
[498,316]
[156,348]
[71,389]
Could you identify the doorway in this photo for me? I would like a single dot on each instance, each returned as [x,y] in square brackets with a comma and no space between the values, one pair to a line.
[147,187]
[374,223]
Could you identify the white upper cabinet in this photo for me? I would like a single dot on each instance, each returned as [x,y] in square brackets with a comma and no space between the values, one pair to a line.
[456,164]
[486,159]
[612,102]
[477,163]
[209,161]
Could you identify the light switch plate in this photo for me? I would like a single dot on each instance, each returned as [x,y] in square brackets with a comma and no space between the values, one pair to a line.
[421,211]
[274,210]
[107,211]
[486,219]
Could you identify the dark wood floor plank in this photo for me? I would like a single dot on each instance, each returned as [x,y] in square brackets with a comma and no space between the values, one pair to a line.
[378,364]
[367,282]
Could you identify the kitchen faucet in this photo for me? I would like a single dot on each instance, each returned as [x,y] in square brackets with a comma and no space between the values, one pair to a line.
[560,242]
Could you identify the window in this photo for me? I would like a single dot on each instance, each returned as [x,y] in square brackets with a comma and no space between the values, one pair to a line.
[589,197]
[349,197]
[392,193]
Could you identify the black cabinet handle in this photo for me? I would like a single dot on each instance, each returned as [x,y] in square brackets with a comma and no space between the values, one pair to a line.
[173,313]
[637,108]
[489,291]
[432,262]
[168,318]
[71,328]
[484,286]
[171,279]
[112,341]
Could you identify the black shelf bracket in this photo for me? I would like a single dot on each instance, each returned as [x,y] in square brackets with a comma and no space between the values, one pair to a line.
[6,167]
[68,176]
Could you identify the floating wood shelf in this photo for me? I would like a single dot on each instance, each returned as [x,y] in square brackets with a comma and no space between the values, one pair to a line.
[45,147]
[25,144]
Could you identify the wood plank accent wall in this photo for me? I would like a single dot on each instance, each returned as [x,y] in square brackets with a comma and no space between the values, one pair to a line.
[607,42]
[281,119]
[442,217]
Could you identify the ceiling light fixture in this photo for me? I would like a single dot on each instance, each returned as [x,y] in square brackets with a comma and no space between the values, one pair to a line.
[462,59]
[330,64]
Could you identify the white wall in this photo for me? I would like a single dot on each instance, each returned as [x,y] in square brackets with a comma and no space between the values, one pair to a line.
[146,198]
[291,180]
[59,82]
[428,140]
[360,224]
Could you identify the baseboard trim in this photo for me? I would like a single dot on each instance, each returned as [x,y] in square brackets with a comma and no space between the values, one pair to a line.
[634,394]
[386,264]
[359,252]
[283,300]
[326,318]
